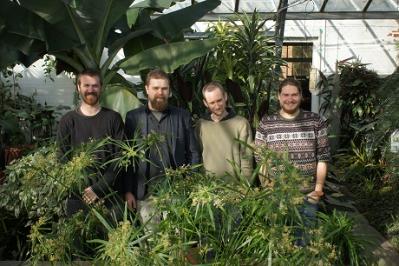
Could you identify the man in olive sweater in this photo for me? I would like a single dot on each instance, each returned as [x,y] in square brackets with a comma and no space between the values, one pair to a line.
[222,135]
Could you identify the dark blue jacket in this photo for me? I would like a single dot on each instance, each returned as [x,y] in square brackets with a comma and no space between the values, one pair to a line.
[184,147]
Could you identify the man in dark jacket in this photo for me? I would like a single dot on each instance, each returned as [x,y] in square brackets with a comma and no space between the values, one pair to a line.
[178,148]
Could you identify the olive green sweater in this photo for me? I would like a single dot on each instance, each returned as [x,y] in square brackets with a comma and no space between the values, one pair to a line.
[221,152]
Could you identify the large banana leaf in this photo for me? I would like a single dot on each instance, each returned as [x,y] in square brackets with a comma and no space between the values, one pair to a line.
[156,4]
[19,21]
[167,57]
[170,26]
[60,27]
[21,35]
[8,55]
[77,33]
[166,27]
[120,99]
[85,23]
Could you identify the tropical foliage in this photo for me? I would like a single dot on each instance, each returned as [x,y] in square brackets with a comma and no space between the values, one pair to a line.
[243,62]
[22,119]
[81,36]
[364,162]
[204,219]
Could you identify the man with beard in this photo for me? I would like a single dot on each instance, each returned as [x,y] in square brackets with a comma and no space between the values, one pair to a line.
[90,122]
[303,135]
[222,135]
[178,147]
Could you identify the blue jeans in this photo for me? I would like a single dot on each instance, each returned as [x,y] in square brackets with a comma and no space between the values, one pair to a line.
[308,213]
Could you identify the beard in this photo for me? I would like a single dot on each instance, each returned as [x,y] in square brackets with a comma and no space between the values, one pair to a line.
[159,103]
[90,98]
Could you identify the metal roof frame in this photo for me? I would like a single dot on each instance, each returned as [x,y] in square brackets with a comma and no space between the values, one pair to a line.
[363,12]
[312,15]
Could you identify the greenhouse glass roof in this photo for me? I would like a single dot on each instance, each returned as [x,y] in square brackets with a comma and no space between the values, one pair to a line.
[306,9]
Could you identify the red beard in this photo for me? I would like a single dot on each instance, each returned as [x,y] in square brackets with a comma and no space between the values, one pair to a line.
[90,98]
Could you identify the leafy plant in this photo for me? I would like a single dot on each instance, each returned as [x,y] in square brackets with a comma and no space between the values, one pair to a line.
[123,241]
[13,236]
[231,222]
[22,119]
[80,36]
[66,239]
[393,232]
[187,83]
[38,184]
[338,229]
[244,61]
[205,219]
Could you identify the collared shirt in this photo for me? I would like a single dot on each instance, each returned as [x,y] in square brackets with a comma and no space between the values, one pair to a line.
[159,154]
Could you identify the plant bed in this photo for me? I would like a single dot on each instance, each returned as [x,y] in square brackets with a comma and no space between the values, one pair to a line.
[206,220]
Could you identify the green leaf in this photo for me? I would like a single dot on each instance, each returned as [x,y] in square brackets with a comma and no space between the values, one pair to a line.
[157,4]
[171,25]
[60,28]
[140,44]
[24,44]
[20,21]
[102,220]
[167,57]
[8,55]
[132,15]
[120,99]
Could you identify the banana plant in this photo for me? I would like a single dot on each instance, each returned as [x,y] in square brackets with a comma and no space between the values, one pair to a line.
[91,33]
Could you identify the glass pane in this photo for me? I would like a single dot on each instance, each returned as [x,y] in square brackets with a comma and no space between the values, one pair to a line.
[384,5]
[301,69]
[303,6]
[294,69]
[260,5]
[177,6]
[227,6]
[345,5]
[317,5]
[301,52]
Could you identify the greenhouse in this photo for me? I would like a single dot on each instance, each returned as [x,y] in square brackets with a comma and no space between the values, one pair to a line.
[199,132]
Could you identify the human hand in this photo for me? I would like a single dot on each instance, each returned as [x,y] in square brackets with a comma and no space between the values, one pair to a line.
[89,196]
[130,200]
[315,195]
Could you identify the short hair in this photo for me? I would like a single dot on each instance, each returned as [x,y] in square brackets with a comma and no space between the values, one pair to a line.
[212,86]
[156,74]
[292,82]
[89,72]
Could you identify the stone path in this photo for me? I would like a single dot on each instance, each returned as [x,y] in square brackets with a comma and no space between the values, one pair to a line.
[379,251]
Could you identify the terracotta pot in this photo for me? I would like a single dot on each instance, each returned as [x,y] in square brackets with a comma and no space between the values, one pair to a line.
[11,154]
[16,152]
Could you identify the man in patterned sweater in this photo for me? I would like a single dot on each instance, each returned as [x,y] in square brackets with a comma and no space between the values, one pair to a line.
[302,133]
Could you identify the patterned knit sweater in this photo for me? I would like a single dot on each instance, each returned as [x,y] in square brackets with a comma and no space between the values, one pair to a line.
[303,137]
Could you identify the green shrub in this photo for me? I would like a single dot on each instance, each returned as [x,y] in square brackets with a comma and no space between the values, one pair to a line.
[338,229]
[38,184]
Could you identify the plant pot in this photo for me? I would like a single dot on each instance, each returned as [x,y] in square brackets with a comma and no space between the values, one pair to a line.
[11,154]
[16,152]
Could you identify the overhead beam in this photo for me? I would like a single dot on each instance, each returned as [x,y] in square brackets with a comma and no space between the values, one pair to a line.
[236,6]
[366,6]
[323,6]
[312,15]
